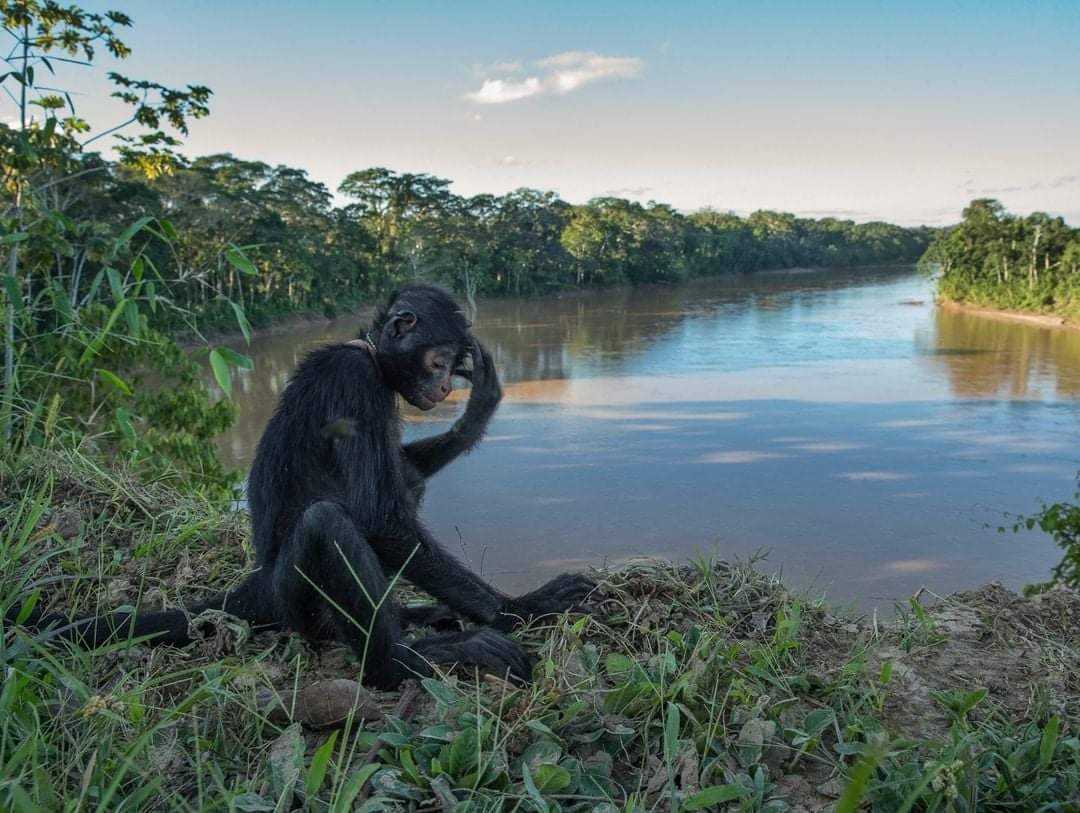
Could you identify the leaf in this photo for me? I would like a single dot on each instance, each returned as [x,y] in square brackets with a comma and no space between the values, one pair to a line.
[851,798]
[440,786]
[540,752]
[235,256]
[116,284]
[540,728]
[14,292]
[440,691]
[61,302]
[1048,744]
[241,320]
[14,237]
[169,230]
[618,663]
[463,752]
[286,760]
[709,798]
[95,345]
[319,763]
[753,735]
[671,732]
[236,359]
[886,673]
[123,420]
[131,313]
[531,789]
[95,284]
[131,231]
[355,783]
[220,368]
[818,720]
[440,733]
[389,781]
[551,778]
[27,607]
[114,380]
[251,802]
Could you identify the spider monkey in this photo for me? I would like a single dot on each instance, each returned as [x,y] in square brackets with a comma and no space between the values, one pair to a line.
[334,498]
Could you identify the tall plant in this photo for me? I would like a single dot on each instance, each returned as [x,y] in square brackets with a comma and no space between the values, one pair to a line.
[77,334]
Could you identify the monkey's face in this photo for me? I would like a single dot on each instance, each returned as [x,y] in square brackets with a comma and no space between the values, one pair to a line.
[429,379]
[422,337]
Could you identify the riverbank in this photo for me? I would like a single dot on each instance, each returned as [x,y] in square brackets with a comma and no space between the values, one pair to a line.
[693,687]
[1005,315]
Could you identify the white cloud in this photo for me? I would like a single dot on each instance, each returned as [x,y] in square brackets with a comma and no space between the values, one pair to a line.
[628,192]
[561,73]
[500,91]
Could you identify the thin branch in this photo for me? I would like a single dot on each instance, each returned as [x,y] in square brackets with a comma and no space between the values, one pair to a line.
[121,126]
[64,59]
[104,133]
[71,177]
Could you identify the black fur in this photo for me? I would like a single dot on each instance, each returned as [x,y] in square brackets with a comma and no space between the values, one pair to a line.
[334,498]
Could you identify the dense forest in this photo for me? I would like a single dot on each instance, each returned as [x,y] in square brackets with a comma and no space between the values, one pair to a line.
[303,252]
[1001,260]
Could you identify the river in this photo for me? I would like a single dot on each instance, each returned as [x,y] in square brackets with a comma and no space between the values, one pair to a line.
[870,442]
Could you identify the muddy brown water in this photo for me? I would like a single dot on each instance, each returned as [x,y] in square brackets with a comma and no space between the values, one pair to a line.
[871,442]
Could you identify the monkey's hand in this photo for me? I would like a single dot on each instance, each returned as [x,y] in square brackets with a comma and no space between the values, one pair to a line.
[563,593]
[486,390]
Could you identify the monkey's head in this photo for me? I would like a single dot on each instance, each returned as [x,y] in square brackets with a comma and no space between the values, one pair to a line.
[421,337]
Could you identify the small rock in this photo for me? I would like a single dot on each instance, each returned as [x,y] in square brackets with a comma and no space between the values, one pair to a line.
[323,704]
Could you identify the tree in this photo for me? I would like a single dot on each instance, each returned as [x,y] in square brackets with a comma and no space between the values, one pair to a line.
[47,147]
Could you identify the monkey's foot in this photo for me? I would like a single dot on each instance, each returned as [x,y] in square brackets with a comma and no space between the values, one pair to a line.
[486,649]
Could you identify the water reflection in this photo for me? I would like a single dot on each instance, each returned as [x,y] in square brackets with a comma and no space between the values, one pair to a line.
[988,357]
[805,413]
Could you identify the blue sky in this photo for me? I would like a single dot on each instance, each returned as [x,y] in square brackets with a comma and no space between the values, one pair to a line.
[900,111]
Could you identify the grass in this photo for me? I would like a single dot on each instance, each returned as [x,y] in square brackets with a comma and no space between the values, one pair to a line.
[708,686]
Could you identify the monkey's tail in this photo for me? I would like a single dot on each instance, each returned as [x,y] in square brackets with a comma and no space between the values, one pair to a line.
[250,601]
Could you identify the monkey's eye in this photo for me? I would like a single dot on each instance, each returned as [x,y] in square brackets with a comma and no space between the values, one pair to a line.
[439,364]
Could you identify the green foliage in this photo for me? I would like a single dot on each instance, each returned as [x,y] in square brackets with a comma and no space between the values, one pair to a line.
[86,357]
[709,688]
[1005,261]
[302,254]
[1061,521]
[94,371]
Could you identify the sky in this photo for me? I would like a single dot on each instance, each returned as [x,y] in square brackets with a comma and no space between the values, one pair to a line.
[901,111]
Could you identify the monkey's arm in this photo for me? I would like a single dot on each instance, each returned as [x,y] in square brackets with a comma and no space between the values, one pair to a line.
[426,564]
[430,455]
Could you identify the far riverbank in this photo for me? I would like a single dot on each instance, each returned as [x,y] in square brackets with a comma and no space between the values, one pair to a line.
[1003,314]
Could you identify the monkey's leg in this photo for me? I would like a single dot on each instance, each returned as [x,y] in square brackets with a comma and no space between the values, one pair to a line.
[248,601]
[436,616]
[329,583]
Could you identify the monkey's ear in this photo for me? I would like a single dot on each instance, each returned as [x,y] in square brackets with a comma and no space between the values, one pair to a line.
[402,322]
